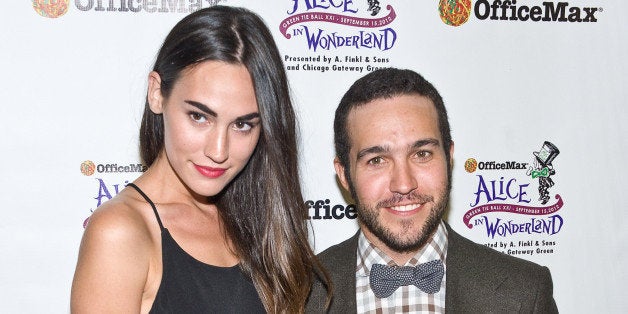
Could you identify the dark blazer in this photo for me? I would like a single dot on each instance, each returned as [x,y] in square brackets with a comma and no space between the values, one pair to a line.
[479,280]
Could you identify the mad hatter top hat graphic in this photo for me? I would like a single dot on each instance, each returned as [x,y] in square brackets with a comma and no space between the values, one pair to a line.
[547,153]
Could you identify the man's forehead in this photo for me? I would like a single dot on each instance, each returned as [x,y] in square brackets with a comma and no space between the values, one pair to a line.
[393,124]
[384,104]
[401,106]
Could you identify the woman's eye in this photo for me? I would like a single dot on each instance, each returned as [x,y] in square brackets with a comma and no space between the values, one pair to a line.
[197,117]
[242,126]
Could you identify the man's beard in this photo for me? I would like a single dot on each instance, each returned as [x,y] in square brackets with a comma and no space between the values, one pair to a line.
[368,217]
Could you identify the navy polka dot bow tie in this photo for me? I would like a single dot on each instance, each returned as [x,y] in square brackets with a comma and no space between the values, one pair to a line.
[385,279]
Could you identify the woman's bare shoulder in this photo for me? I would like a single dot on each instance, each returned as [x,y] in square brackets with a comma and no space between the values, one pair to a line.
[126,216]
[115,255]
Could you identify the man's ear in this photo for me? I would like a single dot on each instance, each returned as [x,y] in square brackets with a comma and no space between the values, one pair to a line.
[154,97]
[451,155]
[340,172]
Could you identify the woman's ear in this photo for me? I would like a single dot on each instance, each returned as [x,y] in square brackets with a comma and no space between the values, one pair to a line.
[155,98]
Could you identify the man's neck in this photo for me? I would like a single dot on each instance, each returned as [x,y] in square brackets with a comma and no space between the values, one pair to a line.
[400,258]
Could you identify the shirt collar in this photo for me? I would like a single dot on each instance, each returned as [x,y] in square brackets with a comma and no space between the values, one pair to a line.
[368,254]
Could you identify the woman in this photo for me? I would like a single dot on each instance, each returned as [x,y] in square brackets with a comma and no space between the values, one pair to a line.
[216,224]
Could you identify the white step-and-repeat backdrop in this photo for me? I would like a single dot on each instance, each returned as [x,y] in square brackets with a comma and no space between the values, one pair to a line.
[536,92]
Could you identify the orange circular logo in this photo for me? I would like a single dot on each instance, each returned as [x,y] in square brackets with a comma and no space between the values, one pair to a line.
[88,167]
[470,165]
[454,12]
[51,8]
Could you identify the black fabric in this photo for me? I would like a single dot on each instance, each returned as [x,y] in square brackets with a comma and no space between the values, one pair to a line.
[190,286]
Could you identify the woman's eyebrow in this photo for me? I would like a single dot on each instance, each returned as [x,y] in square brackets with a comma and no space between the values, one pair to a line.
[208,111]
[247,117]
[201,107]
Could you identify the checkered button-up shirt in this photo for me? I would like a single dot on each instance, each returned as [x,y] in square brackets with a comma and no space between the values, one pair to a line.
[406,299]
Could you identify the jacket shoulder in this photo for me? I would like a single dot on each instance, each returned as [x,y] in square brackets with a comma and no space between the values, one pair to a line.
[339,262]
[341,252]
[482,258]
[481,278]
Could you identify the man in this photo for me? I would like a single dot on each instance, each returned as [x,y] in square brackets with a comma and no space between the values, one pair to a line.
[394,155]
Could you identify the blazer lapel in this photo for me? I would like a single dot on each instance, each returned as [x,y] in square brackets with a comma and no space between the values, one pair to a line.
[471,285]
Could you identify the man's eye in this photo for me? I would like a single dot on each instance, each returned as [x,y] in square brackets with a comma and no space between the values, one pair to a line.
[375,161]
[424,155]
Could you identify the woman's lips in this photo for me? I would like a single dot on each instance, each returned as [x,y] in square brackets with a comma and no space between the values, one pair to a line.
[210,172]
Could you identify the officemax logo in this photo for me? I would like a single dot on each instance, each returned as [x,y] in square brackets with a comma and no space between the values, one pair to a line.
[57,8]
[89,168]
[51,8]
[457,12]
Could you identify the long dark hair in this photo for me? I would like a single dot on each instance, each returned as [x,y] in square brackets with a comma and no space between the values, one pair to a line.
[262,208]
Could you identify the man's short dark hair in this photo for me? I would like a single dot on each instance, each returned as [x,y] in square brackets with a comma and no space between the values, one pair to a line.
[386,83]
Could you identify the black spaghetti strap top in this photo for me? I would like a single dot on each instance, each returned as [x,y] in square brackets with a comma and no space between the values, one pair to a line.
[190,286]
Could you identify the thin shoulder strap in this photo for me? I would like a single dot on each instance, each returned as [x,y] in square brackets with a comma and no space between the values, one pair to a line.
[161,226]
